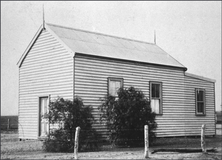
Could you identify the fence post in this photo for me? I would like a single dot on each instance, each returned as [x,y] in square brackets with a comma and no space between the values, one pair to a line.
[76,143]
[8,126]
[203,143]
[146,138]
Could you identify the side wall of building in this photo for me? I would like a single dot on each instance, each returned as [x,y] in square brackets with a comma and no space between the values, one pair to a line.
[46,70]
[195,121]
[91,75]
[179,116]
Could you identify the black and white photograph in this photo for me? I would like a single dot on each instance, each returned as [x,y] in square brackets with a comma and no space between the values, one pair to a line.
[111,80]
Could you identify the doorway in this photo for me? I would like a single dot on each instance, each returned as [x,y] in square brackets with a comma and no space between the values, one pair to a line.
[43,121]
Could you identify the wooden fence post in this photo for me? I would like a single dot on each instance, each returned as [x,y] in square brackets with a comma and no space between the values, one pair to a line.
[203,143]
[8,126]
[76,143]
[146,138]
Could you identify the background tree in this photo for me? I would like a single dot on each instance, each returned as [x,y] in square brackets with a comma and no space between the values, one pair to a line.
[126,115]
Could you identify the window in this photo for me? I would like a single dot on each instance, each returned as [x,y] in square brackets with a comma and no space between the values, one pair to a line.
[113,85]
[200,101]
[156,97]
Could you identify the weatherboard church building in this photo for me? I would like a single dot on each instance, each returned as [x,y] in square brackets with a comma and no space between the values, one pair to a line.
[68,62]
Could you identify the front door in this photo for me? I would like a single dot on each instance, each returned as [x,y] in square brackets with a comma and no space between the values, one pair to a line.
[43,122]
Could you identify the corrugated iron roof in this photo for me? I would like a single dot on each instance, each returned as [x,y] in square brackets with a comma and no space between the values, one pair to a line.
[200,77]
[113,47]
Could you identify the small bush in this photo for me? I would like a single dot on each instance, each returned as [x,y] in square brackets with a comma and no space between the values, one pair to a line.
[69,115]
[126,115]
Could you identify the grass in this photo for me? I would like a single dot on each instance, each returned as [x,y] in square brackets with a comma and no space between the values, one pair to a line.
[9,135]
[11,144]
[187,142]
[20,146]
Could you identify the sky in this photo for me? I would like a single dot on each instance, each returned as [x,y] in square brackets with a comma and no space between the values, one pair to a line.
[188,31]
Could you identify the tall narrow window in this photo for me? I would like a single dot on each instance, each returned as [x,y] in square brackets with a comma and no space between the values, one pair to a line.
[156,97]
[200,101]
[113,85]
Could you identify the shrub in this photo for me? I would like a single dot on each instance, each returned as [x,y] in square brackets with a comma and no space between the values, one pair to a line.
[69,115]
[126,115]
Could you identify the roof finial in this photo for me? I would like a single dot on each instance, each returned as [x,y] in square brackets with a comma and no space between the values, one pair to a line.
[43,17]
[154,36]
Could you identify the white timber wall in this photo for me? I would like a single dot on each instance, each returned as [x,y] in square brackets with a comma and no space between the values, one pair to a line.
[194,121]
[91,75]
[47,69]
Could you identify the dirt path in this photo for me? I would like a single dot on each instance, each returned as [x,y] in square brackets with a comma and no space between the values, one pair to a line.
[130,154]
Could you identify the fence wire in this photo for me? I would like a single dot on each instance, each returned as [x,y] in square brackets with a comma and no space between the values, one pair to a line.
[110,141]
[92,140]
[105,143]
[9,123]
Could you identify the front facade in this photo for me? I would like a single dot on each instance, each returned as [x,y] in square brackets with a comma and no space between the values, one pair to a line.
[67,62]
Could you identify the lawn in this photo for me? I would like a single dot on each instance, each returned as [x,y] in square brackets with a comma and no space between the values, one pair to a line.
[11,148]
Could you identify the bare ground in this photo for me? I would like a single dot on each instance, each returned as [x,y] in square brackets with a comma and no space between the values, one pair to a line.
[129,154]
[11,148]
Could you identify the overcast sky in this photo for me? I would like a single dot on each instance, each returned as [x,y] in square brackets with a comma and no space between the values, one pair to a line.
[189,31]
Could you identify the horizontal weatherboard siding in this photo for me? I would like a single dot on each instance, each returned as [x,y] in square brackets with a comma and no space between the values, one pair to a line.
[46,70]
[191,83]
[178,117]
[91,75]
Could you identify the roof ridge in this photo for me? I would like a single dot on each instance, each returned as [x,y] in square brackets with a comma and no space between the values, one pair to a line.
[100,33]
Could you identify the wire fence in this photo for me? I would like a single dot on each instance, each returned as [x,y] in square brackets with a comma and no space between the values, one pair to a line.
[112,141]
[91,140]
[9,122]
[196,143]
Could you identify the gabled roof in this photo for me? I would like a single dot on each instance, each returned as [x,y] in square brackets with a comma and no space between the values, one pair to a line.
[30,46]
[97,44]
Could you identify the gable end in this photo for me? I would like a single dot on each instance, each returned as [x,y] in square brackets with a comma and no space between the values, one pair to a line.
[38,33]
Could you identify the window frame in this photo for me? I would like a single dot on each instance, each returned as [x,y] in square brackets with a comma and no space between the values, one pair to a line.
[161,95]
[114,79]
[204,101]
